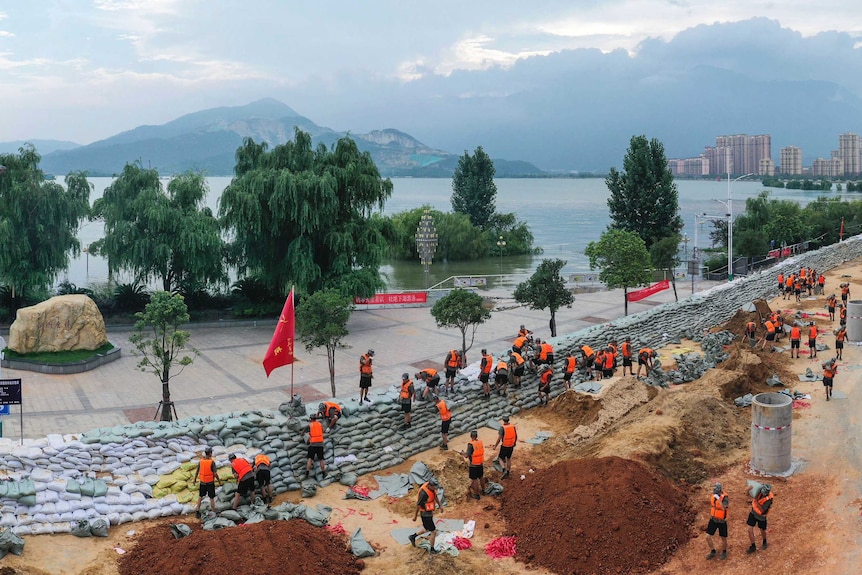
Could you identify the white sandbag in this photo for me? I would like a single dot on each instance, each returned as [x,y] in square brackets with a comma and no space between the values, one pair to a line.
[125,518]
[154,513]
[67,516]
[57,485]
[42,529]
[137,498]
[140,516]
[102,508]
[61,527]
[62,506]
[24,519]
[22,530]
[66,496]
[8,520]
[78,515]
[83,503]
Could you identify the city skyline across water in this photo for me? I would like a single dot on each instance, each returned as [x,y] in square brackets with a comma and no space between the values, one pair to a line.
[564,215]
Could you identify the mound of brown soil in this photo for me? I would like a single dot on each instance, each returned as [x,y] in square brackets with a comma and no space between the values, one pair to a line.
[273,547]
[596,516]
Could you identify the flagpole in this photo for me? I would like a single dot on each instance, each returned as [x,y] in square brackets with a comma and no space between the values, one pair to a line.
[294,348]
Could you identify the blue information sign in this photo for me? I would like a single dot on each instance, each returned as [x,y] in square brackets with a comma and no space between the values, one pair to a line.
[5,410]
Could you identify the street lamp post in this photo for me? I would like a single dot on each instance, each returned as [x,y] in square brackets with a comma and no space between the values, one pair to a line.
[730,222]
[501,243]
[685,240]
[426,242]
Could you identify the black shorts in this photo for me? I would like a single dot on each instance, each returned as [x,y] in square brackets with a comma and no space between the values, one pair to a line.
[588,362]
[519,371]
[627,362]
[484,377]
[770,336]
[450,372]
[207,490]
[567,376]
[643,362]
[550,359]
[315,450]
[839,345]
[502,378]
[263,476]
[406,407]
[831,309]
[752,521]
[477,471]
[433,382]
[714,525]
[844,298]
[608,372]
[798,290]
[794,343]
[444,426]
[364,381]
[245,484]
[827,382]
[544,387]
[780,286]
[506,452]
[812,343]
[428,522]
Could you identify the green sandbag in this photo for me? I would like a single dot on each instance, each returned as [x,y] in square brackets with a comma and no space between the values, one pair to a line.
[100,488]
[180,530]
[26,487]
[81,529]
[88,487]
[10,543]
[73,486]
[99,528]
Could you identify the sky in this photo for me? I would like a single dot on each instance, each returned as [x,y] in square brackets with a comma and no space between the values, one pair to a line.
[83,70]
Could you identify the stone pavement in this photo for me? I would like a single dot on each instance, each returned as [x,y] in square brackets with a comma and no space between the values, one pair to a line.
[228,374]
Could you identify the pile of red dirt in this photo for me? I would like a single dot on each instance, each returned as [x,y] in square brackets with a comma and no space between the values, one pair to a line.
[273,547]
[596,516]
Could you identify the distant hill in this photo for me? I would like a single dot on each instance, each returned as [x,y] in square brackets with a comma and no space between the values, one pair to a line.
[208,140]
[42,146]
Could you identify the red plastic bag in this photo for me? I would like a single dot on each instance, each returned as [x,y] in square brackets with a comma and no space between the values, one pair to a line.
[501,547]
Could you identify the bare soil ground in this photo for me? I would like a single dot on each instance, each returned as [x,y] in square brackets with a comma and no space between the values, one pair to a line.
[688,436]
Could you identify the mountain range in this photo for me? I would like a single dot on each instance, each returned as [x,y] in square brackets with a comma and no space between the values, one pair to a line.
[207,141]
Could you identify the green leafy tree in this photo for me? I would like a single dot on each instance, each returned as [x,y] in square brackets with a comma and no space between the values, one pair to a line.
[664,255]
[546,289]
[302,216]
[644,198]
[322,320]
[162,344]
[39,222]
[473,189]
[171,237]
[461,309]
[623,259]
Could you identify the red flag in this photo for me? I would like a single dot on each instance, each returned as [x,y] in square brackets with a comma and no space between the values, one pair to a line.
[280,350]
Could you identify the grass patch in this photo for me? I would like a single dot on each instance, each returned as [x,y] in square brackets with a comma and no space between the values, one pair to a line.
[58,357]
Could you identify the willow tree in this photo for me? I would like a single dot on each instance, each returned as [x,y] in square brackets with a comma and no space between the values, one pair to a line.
[39,221]
[302,216]
[170,236]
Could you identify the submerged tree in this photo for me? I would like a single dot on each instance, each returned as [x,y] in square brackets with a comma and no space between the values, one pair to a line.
[161,343]
[167,236]
[322,320]
[39,221]
[546,289]
[473,189]
[302,216]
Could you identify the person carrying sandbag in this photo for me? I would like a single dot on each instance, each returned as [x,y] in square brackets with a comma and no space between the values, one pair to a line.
[206,472]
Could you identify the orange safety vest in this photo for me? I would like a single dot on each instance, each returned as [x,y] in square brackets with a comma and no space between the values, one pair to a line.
[802,273]
[502,366]
[830,371]
[487,363]
[821,280]
[845,290]
[571,364]
[365,365]
[758,502]
[328,406]
[315,430]
[717,510]
[405,389]
[524,332]
[546,349]
[519,359]
[812,332]
[788,282]
[795,333]
[600,359]
[843,313]
[770,327]
[445,414]
[478,452]
[645,353]
[609,360]
[830,301]
[751,327]
[519,342]
[613,349]
[510,435]
[261,459]
[241,467]
[841,335]
[454,360]
[588,351]
[546,376]
[781,278]
[430,373]
[429,504]
[206,475]
[627,349]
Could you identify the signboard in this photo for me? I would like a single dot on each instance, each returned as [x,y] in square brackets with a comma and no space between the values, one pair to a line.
[10,392]
[5,410]
[583,278]
[394,298]
[470,282]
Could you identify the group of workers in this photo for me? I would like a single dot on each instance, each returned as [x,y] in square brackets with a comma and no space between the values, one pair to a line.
[719,502]
[246,473]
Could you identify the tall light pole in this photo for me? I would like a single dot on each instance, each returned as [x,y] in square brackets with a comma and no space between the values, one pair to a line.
[501,243]
[730,222]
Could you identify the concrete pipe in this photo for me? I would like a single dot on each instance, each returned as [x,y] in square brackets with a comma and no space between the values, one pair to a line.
[771,417]
[854,320]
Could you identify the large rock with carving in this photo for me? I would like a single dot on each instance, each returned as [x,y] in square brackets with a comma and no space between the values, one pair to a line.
[61,323]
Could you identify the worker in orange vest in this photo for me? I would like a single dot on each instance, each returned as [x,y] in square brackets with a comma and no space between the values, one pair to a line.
[812,339]
[609,361]
[263,476]
[244,474]
[750,331]
[781,283]
[760,506]
[208,476]
[795,340]
[501,377]
[426,503]
[842,315]
[331,411]
[315,446]
[626,350]
[646,358]
[508,436]
[545,384]
[571,364]
[598,365]
[431,378]
[840,336]
[718,505]
[405,398]
[475,456]
[830,369]
[830,306]
[366,373]
[769,337]
[452,363]
[485,367]
[517,366]
[845,293]
[445,421]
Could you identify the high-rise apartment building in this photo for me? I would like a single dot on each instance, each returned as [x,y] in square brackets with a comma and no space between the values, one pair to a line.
[850,152]
[766,167]
[791,161]
[831,168]
[739,154]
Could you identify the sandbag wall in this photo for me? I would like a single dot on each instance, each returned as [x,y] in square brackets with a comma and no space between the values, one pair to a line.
[144,470]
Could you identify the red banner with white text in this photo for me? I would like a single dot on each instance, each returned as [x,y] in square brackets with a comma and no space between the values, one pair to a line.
[640,294]
[394,298]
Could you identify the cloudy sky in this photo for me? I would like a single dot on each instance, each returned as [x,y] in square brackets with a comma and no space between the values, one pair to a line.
[83,70]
